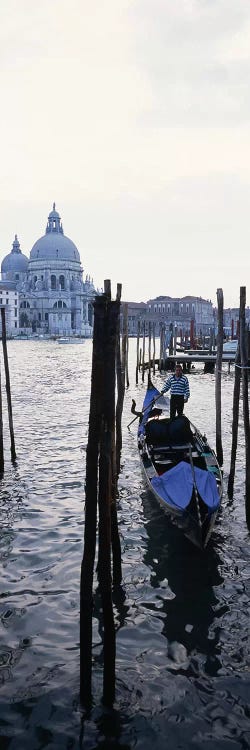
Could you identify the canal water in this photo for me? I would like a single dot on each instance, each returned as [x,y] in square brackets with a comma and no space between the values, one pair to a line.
[182,618]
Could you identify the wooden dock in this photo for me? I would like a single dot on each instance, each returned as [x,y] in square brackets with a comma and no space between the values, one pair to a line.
[187,360]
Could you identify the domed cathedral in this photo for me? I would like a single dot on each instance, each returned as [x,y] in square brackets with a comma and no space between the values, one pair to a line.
[15,264]
[54,299]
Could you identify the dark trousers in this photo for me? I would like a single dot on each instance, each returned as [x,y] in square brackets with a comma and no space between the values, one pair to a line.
[176,406]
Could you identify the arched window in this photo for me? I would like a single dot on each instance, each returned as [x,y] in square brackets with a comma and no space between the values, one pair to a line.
[62,281]
[60,303]
[64,304]
[55,304]
[53,281]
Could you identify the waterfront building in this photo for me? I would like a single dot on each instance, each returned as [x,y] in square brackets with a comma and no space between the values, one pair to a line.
[179,312]
[9,299]
[53,297]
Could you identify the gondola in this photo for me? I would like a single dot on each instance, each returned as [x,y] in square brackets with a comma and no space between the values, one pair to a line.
[180,468]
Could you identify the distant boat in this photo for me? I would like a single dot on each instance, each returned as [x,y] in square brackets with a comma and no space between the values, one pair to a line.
[69,340]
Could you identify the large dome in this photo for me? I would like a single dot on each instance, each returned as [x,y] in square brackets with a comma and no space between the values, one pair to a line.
[15,262]
[54,245]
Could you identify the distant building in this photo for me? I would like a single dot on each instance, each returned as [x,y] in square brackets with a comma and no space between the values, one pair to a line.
[231,316]
[9,299]
[180,311]
[53,297]
[137,311]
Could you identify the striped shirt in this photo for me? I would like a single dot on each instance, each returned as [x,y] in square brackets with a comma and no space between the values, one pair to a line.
[178,386]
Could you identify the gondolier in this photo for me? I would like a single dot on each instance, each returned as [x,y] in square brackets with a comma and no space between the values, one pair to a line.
[179,391]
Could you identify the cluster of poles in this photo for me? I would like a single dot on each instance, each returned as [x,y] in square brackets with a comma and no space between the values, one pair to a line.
[109,364]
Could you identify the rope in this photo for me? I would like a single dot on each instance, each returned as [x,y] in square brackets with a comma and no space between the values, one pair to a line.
[243,367]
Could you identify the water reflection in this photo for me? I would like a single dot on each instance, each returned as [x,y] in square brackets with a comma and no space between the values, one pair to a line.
[186,579]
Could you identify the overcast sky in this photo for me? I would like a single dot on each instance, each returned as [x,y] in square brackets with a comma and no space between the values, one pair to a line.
[133,116]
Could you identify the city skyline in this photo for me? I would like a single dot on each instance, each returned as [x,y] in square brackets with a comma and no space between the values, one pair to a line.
[133,118]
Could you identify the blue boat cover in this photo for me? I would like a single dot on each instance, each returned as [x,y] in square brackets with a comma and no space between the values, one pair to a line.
[176,486]
[148,403]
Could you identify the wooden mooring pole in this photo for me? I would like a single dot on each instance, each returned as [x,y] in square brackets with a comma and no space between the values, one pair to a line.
[100,492]
[235,422]
[244,375]
[1,431]
[219,449]
[8,390]
[143,351]
[137,352]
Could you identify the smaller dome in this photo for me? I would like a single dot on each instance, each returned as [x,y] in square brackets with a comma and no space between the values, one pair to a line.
[15,262]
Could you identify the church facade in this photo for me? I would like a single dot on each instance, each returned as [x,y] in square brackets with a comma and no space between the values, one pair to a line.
[53,298]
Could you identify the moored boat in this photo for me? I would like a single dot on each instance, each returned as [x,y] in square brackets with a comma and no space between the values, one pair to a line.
[180,468]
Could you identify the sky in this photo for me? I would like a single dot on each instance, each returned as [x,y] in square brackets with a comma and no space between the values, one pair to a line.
[133,116]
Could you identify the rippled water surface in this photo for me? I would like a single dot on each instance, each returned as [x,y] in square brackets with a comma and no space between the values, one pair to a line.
[183,620]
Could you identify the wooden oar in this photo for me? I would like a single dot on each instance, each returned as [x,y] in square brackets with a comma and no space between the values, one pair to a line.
[140,413]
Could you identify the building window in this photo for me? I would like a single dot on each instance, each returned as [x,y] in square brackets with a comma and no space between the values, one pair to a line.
[62,281]
[181,307]
[7,301]
[193,307]
[39,316]
[15,301]
[155,308]
[15,313]
[159,308]
[15,324]
[168,308]
[16,276]
[163,308]
[60,303]
[187,307]
[46,316]
[1,300]
[53,281]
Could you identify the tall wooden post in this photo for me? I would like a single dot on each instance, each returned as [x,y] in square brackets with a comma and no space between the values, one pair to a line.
[8,391]
[143,351]
[210,341]
[219,449]
[105,496]
[175,339]
[120,376]
[154,348]
[137,352]
[236,400]
[87,567]
[149,347]
[244,369]
[125,342]
[1,432]
[192,334]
